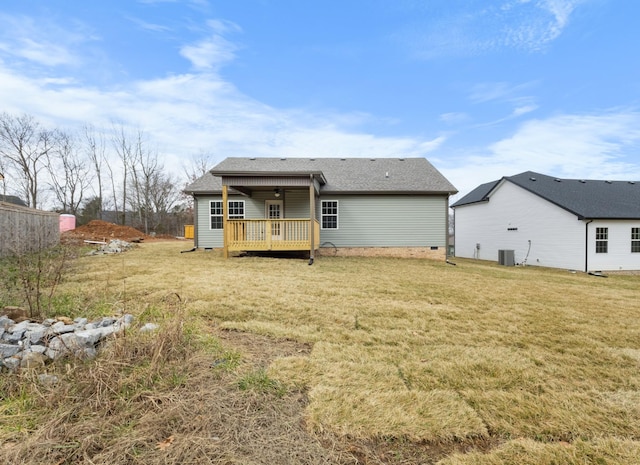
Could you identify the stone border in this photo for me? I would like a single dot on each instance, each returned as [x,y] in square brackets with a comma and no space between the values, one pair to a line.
[28,344]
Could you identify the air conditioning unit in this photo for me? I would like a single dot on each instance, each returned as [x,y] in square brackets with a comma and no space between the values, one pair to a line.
[506,257]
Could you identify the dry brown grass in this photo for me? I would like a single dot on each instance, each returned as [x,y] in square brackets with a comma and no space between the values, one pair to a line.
[387,361]
[170,398]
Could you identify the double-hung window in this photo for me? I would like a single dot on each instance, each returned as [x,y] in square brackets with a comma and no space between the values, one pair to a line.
[602,240]
[236,212]
[635,240]
[329,214]
[215,210]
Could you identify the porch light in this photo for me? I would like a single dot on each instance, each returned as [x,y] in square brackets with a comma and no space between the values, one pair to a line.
[276,192]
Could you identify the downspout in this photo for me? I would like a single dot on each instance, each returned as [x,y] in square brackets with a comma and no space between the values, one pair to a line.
[446,229]
[586,246]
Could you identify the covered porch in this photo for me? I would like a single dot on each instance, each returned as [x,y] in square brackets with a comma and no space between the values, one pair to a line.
[272,197]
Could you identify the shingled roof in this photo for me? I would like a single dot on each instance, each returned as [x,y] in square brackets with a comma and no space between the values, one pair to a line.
[336,175]
[13,200]
[585,198]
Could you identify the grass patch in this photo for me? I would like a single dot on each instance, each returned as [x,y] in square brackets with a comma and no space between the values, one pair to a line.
[473,364]
[259,381]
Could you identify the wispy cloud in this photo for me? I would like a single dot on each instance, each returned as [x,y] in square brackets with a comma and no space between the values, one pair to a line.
[454,117]
[545,22]
[572,146]
[476,28]
[42,43]
[515,96]
[488,91]
[523,110]
[214,50]
[148,26]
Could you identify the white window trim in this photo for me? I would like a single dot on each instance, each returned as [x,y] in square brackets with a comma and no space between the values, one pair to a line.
[237,217]
[337,215]
[217,216]
[605,241]
[634,241]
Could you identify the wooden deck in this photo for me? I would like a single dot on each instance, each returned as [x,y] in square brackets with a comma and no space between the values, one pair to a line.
[266,235]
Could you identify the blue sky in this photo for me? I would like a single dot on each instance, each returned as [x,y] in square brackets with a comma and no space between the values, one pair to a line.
[482,89]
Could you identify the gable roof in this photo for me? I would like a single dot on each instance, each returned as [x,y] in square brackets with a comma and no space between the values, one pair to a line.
[206,184]
[587,199]
[336,175]
[479,194]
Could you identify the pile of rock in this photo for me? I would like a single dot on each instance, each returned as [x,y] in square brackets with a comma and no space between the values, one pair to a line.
[113,246]
[28,344]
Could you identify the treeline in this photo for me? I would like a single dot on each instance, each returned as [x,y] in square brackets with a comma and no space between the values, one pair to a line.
[112,174]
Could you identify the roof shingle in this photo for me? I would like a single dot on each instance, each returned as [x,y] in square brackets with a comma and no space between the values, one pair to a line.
[587,199]
[342,175]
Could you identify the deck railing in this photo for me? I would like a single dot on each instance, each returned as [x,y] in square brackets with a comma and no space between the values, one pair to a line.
[260,235]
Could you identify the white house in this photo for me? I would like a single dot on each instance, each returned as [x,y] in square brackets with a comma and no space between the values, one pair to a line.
[574,224]
[340,205]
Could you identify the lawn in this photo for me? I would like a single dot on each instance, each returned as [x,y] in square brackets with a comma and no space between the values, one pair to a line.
[389,360]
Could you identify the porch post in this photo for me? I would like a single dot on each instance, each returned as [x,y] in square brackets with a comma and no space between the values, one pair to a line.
[312,219]
[225,245]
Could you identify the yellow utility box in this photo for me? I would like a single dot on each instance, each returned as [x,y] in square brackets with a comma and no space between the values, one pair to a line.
[188,231]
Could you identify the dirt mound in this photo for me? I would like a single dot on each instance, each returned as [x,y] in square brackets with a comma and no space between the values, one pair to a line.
[98,230]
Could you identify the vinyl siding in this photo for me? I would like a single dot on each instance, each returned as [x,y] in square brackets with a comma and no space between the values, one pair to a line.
[557,236]
[296,203]
[206,237]
[387,221]
[364,220]
[618,256]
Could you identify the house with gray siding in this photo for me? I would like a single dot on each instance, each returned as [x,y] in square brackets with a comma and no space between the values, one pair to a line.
[577,224]
[390,206]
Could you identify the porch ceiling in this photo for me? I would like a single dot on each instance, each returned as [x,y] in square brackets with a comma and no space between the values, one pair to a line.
[248,184]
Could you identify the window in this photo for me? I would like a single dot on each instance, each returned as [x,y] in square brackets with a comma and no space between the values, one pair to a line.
[329,214]
[215,207]
[602,240]
[236,212]
[635,240]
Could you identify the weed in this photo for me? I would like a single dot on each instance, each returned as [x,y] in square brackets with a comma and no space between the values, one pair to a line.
[259,381]
[32,278]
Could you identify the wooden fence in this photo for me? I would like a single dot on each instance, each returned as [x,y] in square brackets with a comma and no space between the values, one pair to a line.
[24,229]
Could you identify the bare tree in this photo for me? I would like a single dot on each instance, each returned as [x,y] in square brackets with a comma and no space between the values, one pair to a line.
[3,172]
[25,144]
[199,165]
[164,197]
[152,192]
[122,143]
[96,151]
[69,172]
[144,167]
